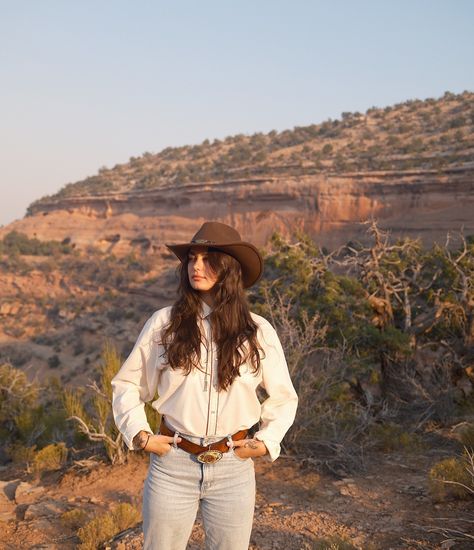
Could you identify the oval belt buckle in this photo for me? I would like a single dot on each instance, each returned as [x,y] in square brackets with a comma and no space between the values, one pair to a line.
[210,456]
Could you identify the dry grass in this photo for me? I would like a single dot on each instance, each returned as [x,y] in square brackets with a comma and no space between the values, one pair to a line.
[105,526]
[453,477]
[51,457]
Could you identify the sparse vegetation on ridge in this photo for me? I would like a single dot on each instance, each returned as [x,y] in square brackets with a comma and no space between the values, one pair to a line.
[433,134]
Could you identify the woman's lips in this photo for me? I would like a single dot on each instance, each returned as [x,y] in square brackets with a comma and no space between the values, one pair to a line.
[196,278]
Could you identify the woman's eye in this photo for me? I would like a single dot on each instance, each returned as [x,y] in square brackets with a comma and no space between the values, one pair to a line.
[194,258]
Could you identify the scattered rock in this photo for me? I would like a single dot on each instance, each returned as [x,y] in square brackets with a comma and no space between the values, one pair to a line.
[130,539]
[9,309]
[45,508]
[20,511]
[81,499]
[8,488]
[348,490]
[26,493]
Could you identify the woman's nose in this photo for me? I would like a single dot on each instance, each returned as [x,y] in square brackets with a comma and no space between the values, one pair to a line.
[198,263]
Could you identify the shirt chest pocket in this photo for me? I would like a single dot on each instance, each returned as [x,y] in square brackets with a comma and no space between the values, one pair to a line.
[170,379]
[248,376]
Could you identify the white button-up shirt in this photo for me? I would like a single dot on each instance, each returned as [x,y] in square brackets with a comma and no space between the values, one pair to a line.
[192,404]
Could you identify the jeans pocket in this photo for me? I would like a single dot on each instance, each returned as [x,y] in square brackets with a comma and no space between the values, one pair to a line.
[237,457]
[161,457]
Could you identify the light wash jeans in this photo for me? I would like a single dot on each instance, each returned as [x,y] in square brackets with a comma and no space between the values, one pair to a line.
[175,485]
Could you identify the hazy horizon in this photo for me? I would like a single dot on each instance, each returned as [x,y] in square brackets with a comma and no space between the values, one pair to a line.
[86,86]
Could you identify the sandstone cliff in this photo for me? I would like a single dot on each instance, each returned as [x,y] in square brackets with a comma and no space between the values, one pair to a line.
[329,207]
[410,166]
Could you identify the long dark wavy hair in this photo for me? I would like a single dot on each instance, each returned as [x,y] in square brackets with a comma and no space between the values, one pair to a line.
[233,329]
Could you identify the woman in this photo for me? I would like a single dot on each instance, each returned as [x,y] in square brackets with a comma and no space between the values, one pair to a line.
[205,355]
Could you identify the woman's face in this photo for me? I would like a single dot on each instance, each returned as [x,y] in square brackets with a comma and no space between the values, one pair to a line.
[201,276]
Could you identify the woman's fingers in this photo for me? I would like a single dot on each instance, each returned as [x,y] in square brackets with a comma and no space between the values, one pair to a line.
[166,439]
[160,444]
[249,443]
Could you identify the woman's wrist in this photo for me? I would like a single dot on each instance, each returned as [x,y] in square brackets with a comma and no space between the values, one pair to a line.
[256,446]
[251,448]
[265,449]
[141,439]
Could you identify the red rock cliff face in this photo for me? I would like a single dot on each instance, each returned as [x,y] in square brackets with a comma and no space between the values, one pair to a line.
[330,208]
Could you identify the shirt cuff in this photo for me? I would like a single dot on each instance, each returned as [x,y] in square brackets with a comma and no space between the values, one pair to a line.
[132,431]
[273,447]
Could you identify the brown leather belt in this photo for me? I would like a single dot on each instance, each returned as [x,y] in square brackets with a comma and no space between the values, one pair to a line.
[209,454]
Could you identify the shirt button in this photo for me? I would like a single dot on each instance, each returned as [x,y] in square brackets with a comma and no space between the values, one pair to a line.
[213,412]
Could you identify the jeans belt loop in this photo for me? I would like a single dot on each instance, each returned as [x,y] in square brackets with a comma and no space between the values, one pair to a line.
[175,440]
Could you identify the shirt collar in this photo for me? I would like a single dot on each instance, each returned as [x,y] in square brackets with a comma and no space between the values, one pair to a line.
[205,309]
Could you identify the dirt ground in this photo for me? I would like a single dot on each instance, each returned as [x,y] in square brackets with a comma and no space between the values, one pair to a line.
[387,506]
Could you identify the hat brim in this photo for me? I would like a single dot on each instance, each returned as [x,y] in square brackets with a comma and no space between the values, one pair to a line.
[245,253]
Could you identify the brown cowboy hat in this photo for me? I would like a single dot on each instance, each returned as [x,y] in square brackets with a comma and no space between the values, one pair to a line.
[227,239]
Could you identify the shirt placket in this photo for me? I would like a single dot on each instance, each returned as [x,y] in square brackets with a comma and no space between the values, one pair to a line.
[213,398]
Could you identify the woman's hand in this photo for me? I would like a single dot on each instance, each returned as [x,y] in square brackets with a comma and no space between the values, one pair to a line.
[158,444]
[246,448]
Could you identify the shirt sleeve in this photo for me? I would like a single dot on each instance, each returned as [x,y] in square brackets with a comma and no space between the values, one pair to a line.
[135,384]
[279,409]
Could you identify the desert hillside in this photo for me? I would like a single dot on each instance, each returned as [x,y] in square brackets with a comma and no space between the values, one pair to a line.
[409,165]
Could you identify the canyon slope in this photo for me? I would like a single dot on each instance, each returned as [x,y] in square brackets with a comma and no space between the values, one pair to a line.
[330,208]
[409,166]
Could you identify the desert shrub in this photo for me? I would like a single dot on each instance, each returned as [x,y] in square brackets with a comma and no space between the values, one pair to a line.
[21,454]
[96,531]
[74,519]
[15,355]
[391,437]
[334,542]
[17,397]
[327,149]
[54,361]
[356,325]
[51,457]
[453,478]
[125,515]
[92,411]
[456,122]
[105,526]
[329,422]
[31,416]
[466,435]
[15,242]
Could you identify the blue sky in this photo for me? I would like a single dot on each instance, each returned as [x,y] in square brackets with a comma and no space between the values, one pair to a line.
[88,84]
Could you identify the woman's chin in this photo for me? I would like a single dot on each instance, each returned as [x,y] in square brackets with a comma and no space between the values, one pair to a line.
[200,287]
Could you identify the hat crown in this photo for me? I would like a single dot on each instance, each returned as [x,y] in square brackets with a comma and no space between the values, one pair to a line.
[225,238]
[216,232]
